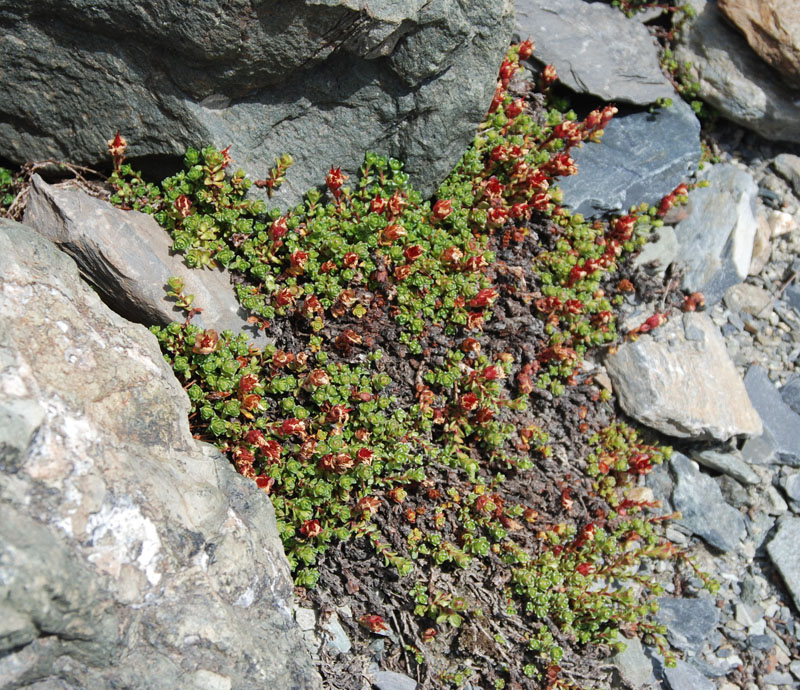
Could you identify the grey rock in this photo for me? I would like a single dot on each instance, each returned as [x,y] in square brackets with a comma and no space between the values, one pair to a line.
[790,481]
[761,450]
[716,241]
[389,680]
[790,393]
[632,666]
[783,552]
[680,380]
[703,510]
[733,79]
[658,253]
[689,622]
[324,80]
[750,299]
[733,492]
[139,556]
[761,245]
[787,165]
[779,419]
[595,49]
[763,643]
[127,257]
[20,420]
[686,677]
[336,638]
[792,294]
[731,464]
[778,678]
[642,157]
[773,502]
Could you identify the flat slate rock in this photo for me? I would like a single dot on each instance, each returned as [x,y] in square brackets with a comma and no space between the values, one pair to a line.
[784,553]
[733,79]
[689,622]
[790,393]
[632,666]
[731,464]
[128,257]
[715,241]
[686,677]
[703,509]
[679,380]
[782,422]
[595,49]
[642,157]
[389,680]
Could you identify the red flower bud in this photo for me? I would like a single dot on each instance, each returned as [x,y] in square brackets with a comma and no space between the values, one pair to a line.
[585,569]
[451,255]
[413,253]
[251,402]
[368,505]
[298,262]
[335,180]
[373,623]
[278,229]
[468,402]
[483,299]
[350,260]
[391,233]
[470,345]
[293,426]
[525,49]
[315,379]
[183,205]
[206,342]
[377,205]
[247,383]
[364,456]
[515,108]
[442,209]
[311,528]
[338,414]
[493,372]
[402,272]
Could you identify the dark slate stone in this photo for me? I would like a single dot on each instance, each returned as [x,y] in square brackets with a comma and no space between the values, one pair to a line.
[792,296]
[689,621]
[641,158]
[783,552]
[595,49]
[389,680]
[778,418]
[790,393]
[686,677]
[715,242]
[699,499]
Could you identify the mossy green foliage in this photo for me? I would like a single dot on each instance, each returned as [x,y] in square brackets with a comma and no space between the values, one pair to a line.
[9,187]
[328,440]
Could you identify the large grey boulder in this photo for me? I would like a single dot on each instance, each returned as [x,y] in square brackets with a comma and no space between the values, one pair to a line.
[595,49]
[126,256]
[733,79]
[131,556]
[679,380]
[324,80]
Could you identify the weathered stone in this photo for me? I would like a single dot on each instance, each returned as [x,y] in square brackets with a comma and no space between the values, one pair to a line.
[783,552]
[685,677]
[138,555]
[772,28]
[680,380]
[633,666]
[689,622]
[127,256]
[790,481]
[658,254]
[716,241]
[731,464]
[733,79]
[324,80]
[761,245]
[787,165]
[595,49]
[642,157]
[779,419]
[750,299]
[703,510]
[790,393]
[389,680]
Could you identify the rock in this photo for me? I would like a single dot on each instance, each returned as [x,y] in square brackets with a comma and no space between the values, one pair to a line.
[389,680]
[761,245]
[130,554]
[703,510]
[323,80]
[783,552]
[779,419]
[772,29]
[658,254]
[760,450]
[679,380]
[733,79]
[127,257]
[787,165]
[731,464]
[595,49]
[633,666]
[781,223]
[336,638]
[716,241]
[790,481]
[685,677]
[750,299]
[792,294]
[790,393]
[642,157]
